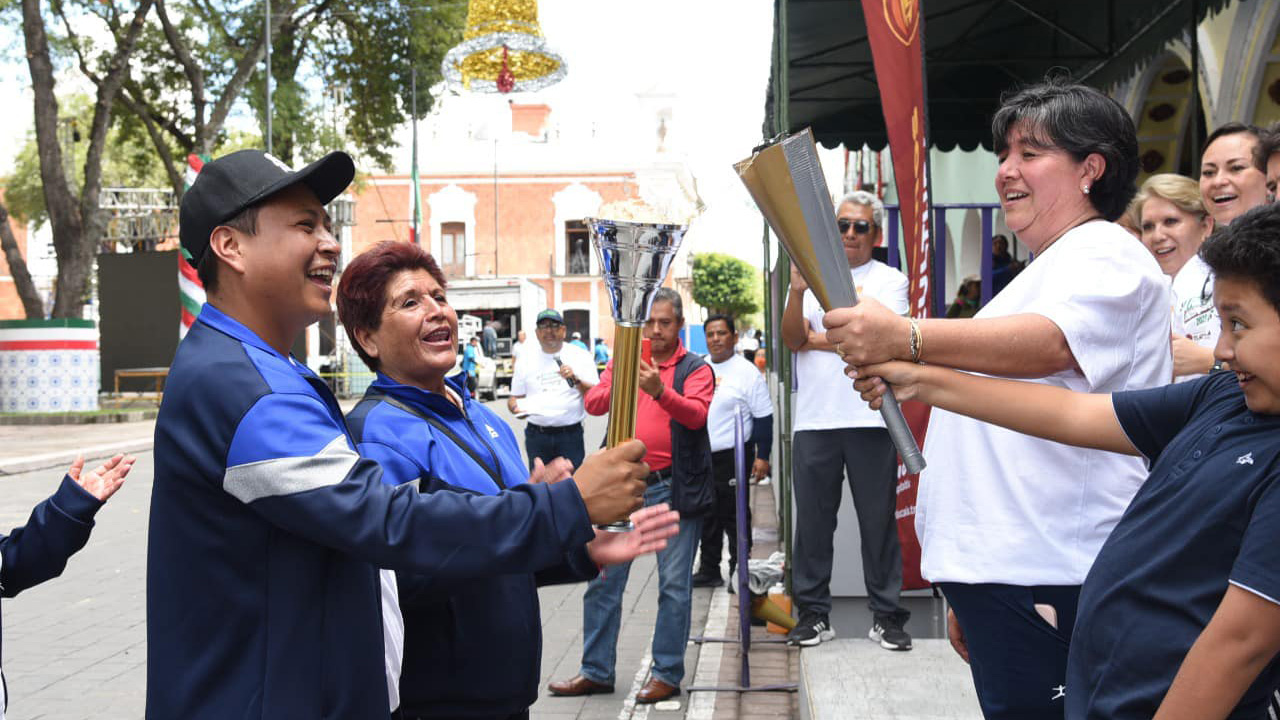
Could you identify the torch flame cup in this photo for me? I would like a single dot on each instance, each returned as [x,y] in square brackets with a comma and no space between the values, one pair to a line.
[635,259]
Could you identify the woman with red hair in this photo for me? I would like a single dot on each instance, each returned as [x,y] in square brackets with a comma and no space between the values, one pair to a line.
[425,428]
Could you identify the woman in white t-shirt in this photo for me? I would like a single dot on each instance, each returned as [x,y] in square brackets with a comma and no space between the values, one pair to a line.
[1009,524]
[1174,223]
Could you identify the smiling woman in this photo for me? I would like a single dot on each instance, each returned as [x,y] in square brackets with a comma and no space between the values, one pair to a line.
[1230,181]
[426,430]
[1091,313]
[1174,224]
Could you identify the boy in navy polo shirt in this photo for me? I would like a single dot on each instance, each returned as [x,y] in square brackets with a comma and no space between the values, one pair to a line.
[1179,616]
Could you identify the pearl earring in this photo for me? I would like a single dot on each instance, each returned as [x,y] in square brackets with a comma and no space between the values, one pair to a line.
[1085,189]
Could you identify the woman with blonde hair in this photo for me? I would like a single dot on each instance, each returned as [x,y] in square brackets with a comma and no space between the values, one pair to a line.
[1174,222]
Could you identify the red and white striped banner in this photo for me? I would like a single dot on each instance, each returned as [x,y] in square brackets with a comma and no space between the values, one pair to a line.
[191,293]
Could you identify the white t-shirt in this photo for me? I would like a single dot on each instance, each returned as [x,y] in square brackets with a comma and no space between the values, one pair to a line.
[825,398]
[548,399]
[740,388]
[996,506]
[1193,312]
[392,635]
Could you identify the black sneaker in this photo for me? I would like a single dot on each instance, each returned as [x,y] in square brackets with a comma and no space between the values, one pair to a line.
[707,579]
[811,630]
[888,631]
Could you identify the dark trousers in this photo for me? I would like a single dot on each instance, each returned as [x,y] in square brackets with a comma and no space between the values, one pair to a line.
[1018,660]
[820,459]
[722,521]
[550,443]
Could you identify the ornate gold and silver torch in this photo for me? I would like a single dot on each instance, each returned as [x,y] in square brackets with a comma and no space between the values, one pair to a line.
[634,258]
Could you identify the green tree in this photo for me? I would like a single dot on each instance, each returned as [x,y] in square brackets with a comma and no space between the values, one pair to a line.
[341,74]
[725,284]
[73,213]
[124,164]
[173,77]
[127,161]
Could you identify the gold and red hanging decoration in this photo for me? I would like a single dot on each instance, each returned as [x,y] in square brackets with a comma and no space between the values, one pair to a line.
[502,50]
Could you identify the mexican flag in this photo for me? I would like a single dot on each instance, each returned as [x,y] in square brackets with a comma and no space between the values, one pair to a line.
[415,231]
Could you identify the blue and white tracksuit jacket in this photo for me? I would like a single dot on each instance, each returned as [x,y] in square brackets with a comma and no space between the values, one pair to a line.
[267,531]
[472,648]
[39,550]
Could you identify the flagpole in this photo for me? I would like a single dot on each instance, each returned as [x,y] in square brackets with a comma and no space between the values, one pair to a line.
[267,33]
[417,191]
[935,236]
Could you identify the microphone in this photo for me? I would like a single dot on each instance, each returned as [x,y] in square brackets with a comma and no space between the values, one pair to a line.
[559,364]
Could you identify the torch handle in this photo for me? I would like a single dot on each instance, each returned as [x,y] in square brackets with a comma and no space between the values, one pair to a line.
[901,435]
[624,395]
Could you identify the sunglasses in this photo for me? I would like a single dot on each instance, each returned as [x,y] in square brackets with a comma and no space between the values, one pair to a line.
[860,227]
[548,325]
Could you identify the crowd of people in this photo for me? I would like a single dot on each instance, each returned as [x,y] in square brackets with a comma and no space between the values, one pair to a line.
[1099,508]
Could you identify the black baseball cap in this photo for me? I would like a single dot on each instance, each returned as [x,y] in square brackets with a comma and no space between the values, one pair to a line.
[228,185]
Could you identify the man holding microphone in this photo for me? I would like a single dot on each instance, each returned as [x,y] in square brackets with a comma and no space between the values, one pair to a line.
[547,389]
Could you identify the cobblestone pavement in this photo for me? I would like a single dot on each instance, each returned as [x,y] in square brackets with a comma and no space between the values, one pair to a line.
[75,647]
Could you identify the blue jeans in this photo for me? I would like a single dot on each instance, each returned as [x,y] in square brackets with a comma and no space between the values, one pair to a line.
[602,605]
[549,446]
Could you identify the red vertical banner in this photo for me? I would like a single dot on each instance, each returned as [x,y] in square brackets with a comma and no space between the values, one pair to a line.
[894,29]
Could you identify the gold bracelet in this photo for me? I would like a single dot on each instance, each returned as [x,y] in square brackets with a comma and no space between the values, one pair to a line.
[915,343]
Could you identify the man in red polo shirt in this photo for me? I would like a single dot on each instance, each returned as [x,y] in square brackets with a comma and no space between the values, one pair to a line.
[671,419]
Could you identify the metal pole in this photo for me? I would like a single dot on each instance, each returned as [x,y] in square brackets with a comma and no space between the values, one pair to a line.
[495,207]
[417,190]
[784,270]
[1195,83]
[267,32]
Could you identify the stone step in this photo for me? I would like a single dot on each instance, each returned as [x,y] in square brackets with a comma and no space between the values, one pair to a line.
[856,678]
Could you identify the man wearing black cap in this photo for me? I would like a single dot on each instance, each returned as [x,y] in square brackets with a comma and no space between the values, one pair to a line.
[547,389]
[264,597]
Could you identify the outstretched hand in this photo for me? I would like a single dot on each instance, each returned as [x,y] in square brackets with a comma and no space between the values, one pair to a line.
[555,471]
[103,481]
[872,381]
[653,525]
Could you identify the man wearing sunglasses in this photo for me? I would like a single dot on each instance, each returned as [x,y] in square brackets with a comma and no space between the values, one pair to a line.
[836,432]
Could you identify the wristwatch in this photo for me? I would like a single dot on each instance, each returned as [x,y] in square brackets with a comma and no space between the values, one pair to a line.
[1217,366]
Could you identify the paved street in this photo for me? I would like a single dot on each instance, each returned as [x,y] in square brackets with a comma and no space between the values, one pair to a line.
[75,647]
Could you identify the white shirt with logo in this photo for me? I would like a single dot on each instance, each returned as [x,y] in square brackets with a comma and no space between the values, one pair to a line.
[1194,315]
[740,390]
[996,506]
[825,398]
[548,398]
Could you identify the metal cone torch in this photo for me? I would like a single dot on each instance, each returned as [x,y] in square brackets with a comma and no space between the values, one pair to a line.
[634,258]
[786,182]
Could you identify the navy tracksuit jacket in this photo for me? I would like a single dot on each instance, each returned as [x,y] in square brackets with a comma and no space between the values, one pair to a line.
[267,531]
[472,648]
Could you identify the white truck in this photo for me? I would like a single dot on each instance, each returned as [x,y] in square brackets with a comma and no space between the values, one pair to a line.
[512,303]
